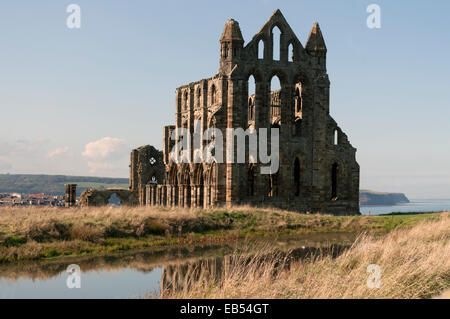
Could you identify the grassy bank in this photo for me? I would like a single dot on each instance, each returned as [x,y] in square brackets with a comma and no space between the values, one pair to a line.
[413,262]
[38,233]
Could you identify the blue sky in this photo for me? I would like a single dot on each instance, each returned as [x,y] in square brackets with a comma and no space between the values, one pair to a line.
[76,101]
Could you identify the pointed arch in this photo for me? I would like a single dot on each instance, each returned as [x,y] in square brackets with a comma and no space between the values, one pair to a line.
[275,101]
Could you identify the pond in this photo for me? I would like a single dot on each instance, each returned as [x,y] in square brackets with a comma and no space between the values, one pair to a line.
[143,273]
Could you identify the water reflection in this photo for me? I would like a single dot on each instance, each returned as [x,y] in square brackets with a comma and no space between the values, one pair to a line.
[141,273]
[182,276]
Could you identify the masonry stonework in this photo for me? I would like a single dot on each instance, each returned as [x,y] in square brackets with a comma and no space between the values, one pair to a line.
[318,169]
[146,170]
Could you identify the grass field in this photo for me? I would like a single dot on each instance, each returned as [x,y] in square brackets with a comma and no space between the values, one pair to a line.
[38,233]
[413,262]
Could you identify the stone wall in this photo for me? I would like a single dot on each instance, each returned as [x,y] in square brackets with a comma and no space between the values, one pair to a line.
[316,174]
[146,168]
[95,197]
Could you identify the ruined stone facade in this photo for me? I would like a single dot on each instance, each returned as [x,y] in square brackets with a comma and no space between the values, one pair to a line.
[146,170]
[318,170]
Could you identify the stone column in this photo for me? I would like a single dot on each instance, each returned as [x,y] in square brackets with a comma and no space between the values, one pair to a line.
[181,196]
[207,194]
[197,196]
[71,195]
[169,195]
[186,189]
[148,195]
[158,195]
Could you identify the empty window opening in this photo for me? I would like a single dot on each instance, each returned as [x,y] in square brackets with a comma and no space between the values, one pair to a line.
[276,36]
[251,98]
[175,192]
[201,199]
[275,101]
[335,137]
[291,53]
[188,191]
[114,200]
[298,127]
[275,83]
[297,101]
[251,108]
[261,49]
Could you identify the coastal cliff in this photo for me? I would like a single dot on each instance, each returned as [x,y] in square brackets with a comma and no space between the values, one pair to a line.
[369,198]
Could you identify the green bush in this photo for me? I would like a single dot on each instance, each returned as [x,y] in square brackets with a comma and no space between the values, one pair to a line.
[14,241]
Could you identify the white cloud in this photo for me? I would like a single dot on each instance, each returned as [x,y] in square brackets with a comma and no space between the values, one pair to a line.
[106,155]
[58,152]
[104,148]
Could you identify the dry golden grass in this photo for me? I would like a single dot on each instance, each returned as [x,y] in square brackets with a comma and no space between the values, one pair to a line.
[37,233]
[444,295]
[414,262]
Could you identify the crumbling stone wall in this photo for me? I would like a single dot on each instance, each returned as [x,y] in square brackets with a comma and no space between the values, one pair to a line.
[316,173]
[95,197]
[146,168]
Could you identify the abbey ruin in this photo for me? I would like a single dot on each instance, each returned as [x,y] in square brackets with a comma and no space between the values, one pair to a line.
[317,171]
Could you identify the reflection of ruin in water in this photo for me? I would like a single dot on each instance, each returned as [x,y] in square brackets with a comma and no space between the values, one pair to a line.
[179,277]
[177,267]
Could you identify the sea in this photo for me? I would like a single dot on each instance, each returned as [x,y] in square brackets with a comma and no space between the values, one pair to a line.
[415,206]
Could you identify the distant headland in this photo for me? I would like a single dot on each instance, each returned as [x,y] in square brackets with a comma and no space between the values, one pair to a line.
[372,198]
